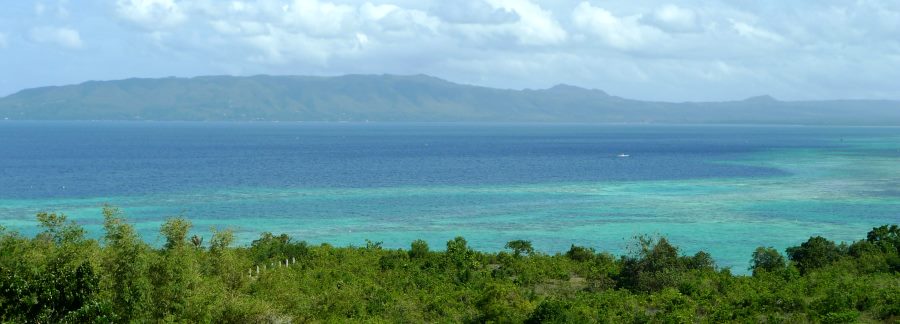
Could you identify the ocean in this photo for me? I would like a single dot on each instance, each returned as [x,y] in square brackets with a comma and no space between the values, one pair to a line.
[724,189]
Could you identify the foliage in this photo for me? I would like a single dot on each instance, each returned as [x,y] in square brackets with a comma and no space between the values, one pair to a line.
[767,259]
[885,236]
[418,249]
[580,253]
[61,276]
[815,253]
[270,247]
[125,268]
[657,264]
[520,247]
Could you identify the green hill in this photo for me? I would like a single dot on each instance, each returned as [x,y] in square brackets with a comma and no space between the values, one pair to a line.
[402,98]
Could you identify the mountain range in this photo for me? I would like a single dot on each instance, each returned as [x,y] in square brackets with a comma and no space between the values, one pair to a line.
[404,98]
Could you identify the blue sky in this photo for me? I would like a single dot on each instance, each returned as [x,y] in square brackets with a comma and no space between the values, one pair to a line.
[673,51]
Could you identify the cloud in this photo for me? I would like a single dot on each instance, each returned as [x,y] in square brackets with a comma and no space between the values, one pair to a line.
[536,26]
[59,9]
[61,36]
[306,32]
[673,18]
[3,41]
[151,14]
[755,33]
[619,32]
[318,18]
[473,12]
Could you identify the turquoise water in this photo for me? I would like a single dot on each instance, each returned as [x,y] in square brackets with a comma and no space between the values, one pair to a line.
[783,185]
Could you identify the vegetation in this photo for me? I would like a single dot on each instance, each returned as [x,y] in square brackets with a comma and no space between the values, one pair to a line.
[61,276]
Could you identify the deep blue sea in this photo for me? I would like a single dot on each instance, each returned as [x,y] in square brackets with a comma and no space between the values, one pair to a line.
[724,189]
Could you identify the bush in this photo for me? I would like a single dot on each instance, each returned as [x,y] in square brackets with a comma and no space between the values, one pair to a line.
[815,253]
[418,249]
[847,316]
[553,311]
[520,247]
[502,303]
[885,236]
[393,260]
[654,266]
[767,259]
[61,276]
[580,253]
[270,247]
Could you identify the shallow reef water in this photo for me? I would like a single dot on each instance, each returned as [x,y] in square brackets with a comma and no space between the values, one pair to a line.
[722,189]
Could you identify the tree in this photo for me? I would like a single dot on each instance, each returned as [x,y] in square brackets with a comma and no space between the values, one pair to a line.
[503,303]
[767,259]
[125,265]
[887,237]
[220,241]
[57,229]
[461,258]
[279,247]
[700,261]
[520,247]
[654,266]
[53,280]
[552,311]
[175,230]
[418,249]
[224,262]
[174,273]
[580,253]
[814,253]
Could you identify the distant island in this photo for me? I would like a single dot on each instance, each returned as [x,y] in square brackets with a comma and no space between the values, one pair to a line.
[393,98]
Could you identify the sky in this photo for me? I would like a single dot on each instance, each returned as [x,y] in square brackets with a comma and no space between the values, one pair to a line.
[652,50]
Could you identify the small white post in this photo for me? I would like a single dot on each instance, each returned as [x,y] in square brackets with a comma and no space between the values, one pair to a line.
[257,269]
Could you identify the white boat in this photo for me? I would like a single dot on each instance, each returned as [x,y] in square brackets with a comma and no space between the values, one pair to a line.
[623,155]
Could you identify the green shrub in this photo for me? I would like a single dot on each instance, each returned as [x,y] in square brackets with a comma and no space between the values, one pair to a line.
[767,259]
[580,253]
[814,253]
[62,276]
[418,249]
[520,247]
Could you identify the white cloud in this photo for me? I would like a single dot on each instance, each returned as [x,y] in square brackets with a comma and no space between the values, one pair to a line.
[59,9]
[755,33]
[473,12]
[151,14]
[61,36]
[278,46]
[306,32]
[371,11]
[240,27]
[620,32]
[362,39]
[536,26]
[318,18]
[674,18]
